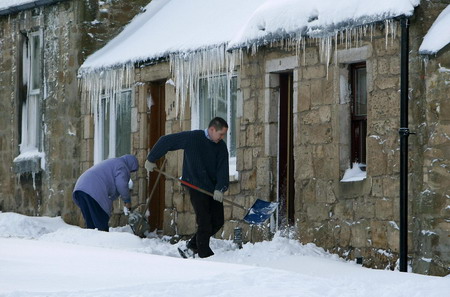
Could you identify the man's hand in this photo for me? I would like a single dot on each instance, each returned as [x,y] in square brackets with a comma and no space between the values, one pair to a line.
[218,196]
[149,165]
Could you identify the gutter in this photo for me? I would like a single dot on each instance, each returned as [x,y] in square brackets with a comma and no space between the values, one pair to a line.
[27,6]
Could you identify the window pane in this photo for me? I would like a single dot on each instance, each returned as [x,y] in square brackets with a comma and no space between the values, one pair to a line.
[232,118]
[123,124]
[104,118]
[214,101]
[35,62]
[205,105]
[361,92]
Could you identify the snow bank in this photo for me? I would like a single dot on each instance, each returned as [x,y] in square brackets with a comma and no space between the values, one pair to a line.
[15,225]
[41,256]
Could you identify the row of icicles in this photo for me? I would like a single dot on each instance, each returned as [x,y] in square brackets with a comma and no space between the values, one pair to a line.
[188,68]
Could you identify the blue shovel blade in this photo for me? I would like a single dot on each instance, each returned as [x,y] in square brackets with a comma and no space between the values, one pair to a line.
[260,211]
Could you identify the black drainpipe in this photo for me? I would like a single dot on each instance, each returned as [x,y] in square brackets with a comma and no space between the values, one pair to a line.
[404,134]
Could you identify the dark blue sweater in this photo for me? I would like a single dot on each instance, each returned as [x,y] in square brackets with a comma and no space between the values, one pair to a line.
[205,163]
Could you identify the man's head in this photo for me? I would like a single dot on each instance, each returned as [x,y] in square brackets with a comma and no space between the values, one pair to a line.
[217,129]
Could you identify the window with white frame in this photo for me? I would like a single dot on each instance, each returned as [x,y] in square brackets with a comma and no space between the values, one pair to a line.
[217,98]
[31,128]
[113,126]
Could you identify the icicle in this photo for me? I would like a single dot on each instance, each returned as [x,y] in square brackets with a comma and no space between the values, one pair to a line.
[104,84]
[336,49]
[386,31]
[33,175]
[189,68]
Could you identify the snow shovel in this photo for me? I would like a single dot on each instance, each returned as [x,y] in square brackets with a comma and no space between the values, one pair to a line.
[257,214]
[138,221]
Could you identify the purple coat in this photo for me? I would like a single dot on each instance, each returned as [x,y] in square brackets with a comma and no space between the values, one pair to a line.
[107,180]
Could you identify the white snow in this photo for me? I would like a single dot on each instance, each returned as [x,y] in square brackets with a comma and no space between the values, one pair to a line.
[180,27]
[354,174]
[42,256]
[174,26]
[438,35]
[278,18]
[4,4]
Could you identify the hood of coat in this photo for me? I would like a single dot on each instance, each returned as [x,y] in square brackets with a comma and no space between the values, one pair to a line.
[131,161]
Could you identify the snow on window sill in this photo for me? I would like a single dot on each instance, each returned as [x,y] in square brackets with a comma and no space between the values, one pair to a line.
[31,161]
[234,174]
[354,174]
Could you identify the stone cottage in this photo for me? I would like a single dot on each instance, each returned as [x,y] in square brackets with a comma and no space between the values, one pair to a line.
[312,96]
[42,45]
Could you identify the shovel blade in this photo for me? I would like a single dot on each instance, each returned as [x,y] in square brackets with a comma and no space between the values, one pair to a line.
[260,211]
[138,224]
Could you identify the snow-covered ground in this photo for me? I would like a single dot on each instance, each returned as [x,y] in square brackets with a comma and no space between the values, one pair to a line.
[42,256]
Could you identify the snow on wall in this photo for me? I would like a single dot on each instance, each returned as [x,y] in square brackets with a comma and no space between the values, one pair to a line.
[438,35]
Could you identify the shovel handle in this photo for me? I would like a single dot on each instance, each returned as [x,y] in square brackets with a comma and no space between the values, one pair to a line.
[147,206]
[197,188]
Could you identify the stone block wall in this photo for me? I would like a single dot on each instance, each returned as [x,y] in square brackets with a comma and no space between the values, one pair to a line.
[71,31]
[431,200]
[356,219]
[48,191]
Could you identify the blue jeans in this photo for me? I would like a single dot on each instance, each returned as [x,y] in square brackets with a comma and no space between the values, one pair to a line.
[93,214]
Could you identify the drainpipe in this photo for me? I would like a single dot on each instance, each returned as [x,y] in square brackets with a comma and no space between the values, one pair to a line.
[404,134]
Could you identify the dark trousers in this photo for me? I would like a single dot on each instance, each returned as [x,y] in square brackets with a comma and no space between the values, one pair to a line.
[209,217]
[93,214]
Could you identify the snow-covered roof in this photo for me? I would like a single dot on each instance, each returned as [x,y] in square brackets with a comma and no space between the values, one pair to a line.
[12,3]
[277,19]
[438,35]
[171,26]
[179,26]
[14,6]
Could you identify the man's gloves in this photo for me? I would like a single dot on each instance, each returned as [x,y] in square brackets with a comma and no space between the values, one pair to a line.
[149,165]
[218,196]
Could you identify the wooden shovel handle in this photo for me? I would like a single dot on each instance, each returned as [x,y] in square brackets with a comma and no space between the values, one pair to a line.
[149,199]
[197,188]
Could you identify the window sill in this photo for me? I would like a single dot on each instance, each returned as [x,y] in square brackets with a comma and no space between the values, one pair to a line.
[28,163]
[355,189]
[234,178]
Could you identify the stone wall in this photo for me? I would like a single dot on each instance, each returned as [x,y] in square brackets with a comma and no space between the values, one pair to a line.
[431,202]
[71,31]
[355,219]
[47,192]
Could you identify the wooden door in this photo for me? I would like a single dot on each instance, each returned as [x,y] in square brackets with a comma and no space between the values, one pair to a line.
[156,128]
[285,152]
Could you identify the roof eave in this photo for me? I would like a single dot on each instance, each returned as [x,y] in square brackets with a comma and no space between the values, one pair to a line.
[26,6]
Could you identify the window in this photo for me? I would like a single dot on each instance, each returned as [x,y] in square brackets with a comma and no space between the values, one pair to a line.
[217,98]
[113,127]
[358,114]
[31,128]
